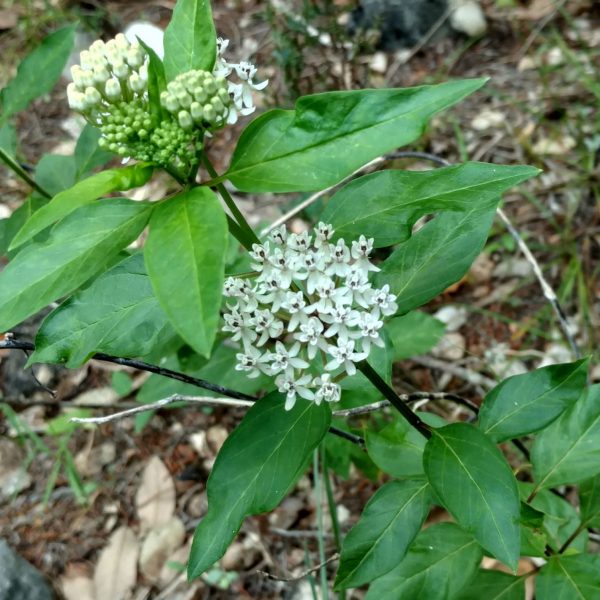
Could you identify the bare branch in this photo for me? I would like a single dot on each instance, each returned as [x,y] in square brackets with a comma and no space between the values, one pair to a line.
[303,574]
[161,404]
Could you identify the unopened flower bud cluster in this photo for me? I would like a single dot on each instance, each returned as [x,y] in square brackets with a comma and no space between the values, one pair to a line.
[110,88]
[310,296]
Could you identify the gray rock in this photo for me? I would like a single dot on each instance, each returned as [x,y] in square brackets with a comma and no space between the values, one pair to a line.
[400,23]
[19,580]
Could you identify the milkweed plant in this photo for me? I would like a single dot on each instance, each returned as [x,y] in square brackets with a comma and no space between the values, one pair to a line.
[305,323]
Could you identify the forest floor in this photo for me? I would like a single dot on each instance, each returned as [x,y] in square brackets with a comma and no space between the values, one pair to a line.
[91,495]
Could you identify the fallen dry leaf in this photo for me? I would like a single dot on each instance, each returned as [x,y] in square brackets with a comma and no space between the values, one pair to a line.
[76,583]
[159,544]
[155,498]
[116,571]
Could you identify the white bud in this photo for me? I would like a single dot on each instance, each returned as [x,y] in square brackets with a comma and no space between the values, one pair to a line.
[171,104]
[112,89]
[185,120]
[101,75]
[164,96]
[135,57]
[120,69]
[121,42]
[196,111]
[92,97]
[86,58]
[143,71]
[136,83]
[76,74]
[98,47]
[184,99]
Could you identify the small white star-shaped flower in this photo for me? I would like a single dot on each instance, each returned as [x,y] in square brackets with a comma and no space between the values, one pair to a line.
[344,356]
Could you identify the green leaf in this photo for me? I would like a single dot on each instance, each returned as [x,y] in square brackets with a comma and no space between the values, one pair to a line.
[185,257]
[437,256]
[398,448]
[117,314]
[569,578]
[589,501]
[568,450]
[475,483]
[385,205]
[10,226]
[440,562]
[8,139]
[38,72]
[330,135]
[526,403]
[190,38]
[413,334]
[389,523]
[43,272]
[88,155]
[560,519]
[494,585]
[55,173]
[79,195]
[256,467]
[156,83]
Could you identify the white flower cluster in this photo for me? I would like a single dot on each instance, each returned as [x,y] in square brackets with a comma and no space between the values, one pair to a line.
[108,72]
[309,296]
[241,93]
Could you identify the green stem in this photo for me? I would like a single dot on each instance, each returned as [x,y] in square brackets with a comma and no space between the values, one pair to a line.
[250,236]
[321,538]
[20,172]
[572,537]
[371,374]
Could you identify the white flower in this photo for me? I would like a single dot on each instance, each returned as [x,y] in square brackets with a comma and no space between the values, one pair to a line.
[313,265]
[344,356]
[359,287]
[240,326]
[369,329]
[283,264]
[279,235]
[295,305]
[267,326]
[361,250]
[340,259]
[329,296]
[384,302]
[290,387]
[311,334]
[323,233]
[249,362]
[282,358]
[300,242]
[260,256]
[327,390]
[341,318]
[271,291]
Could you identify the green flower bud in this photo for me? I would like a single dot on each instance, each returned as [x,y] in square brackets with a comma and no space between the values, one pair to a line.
[218,106]
[184,99]
[196,111]
[171,104]
[92,97]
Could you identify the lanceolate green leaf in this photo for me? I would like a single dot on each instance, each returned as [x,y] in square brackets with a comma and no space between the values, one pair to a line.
[43,272]
[185,257]
[390,521]
[569,578]
[385,205]
[494,585]
[526,403]
[256,467]
[440,563]
[438,255]
[117,314]
[589,501]
[38,72]
[88,155]
[330,135]
[190,38]
[80,194]
[568,450]
[475,483]
[55,173]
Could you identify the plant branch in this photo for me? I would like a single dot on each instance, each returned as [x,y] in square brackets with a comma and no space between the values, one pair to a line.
[249,237]
[572,537]
[142,366]
[374,377]
[20,172]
